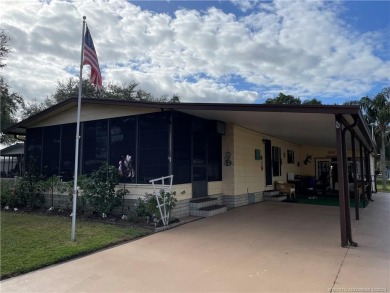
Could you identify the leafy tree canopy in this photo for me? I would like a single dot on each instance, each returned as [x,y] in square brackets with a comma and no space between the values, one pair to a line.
[313,101]
[291,100]
[377,114]
[10,102]
[284,99]
[70,89]
[4,49]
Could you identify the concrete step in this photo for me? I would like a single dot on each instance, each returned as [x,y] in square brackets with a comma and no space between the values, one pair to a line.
[270,192]
[278,197]
[209,211]
[273,195]
[203,202]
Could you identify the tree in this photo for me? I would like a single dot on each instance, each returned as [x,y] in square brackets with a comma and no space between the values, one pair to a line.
[313,101]
[284,99]
[70,89]
[10,102]
[377,114]
[4,49]
[291,100]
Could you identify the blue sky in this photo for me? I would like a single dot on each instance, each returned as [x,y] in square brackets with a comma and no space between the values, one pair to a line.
[205,51]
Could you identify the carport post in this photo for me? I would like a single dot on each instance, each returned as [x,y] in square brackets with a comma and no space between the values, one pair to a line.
[340,169]
[368,172]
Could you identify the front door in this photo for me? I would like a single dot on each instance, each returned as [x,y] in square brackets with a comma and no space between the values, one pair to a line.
[199,165]
[268,162]
[323,174]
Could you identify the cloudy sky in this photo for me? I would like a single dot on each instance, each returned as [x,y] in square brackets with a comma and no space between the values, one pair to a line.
[205,51]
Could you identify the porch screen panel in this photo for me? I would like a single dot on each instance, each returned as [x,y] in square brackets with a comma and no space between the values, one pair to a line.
[34,149]
[123,135]
[182,125]
[94,145]
[51,151]
[153,147]
[68,141]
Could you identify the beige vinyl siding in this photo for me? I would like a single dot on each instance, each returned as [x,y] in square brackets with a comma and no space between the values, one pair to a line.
[183,191]
[315,153]
[228,171]
[249,176]
[91,112]
[214,187]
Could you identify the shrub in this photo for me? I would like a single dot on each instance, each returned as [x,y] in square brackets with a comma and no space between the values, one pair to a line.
[23,192]
[99,189]
[8,197]
[54,184]
[148,206]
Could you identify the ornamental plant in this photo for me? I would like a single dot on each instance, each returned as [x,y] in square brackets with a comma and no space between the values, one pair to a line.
[99,190]
[147,207]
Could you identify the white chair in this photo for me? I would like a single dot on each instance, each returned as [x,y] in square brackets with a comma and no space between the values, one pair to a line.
[285,188]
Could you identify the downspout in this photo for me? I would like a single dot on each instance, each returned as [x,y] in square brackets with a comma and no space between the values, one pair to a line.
[346,186]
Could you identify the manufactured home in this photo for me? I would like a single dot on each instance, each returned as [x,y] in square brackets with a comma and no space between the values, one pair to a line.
[234,153]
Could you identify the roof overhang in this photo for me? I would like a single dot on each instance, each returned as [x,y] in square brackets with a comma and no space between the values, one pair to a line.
[16,149]
[312,125]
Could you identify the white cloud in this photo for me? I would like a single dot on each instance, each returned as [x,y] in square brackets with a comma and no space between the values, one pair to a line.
[295,47]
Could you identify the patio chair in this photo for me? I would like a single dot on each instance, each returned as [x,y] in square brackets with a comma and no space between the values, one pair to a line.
[285,188]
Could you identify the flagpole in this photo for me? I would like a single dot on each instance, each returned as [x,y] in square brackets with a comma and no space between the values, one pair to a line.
[76,158]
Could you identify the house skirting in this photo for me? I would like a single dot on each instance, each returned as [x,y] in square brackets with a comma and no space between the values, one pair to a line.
[181,210]
[234,201]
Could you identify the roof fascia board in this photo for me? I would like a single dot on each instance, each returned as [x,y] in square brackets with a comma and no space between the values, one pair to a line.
[328,109]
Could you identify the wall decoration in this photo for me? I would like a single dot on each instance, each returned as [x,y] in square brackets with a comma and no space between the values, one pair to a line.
[258,155]
[227,161]
[126,169]
[307,159]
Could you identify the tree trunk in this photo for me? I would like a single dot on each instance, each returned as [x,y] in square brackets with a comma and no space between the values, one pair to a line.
[383,159]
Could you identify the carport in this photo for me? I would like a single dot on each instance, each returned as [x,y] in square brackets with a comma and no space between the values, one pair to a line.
[312,125]
[339,127]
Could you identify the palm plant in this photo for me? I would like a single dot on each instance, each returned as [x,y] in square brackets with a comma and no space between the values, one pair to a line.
[377,113]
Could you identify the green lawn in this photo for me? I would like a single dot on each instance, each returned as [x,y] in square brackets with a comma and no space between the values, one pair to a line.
[30,241]
[380,186]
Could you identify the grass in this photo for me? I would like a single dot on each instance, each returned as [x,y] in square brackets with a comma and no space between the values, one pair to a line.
[30,241]
[380,186]
[328,200]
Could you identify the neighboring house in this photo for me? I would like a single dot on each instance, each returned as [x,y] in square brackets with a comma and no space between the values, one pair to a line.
[232,151]
[12,160]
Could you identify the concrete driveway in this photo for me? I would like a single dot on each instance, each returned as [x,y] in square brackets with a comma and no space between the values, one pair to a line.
[265,247]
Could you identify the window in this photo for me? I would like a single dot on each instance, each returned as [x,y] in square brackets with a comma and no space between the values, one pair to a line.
[123,143]
[290,157]
[153,139]
[51,151]
[34,149]
[94,145]
[276,161]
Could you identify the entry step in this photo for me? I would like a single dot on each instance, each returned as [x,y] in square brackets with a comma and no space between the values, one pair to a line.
[273,195]
[209,211]
[203,202]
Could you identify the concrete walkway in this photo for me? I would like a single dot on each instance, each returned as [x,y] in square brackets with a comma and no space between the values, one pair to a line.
[265,247]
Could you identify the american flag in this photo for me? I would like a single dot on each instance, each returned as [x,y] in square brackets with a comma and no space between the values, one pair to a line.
[90,58]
